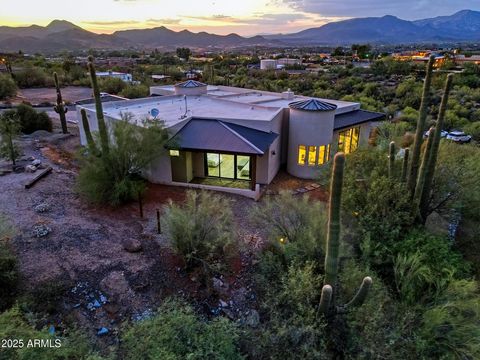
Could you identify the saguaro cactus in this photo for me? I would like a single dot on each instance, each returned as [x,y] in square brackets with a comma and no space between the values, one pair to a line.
[86,128]
[423,167]
[433,153]
[391,160]
[415,163]
[102,127]
[60,108]
[333,244]
[405,165]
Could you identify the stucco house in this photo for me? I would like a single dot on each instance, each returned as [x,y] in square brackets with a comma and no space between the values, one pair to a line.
[236,140]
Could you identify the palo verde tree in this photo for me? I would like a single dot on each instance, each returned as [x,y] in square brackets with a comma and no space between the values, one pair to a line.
[327,299]
[60,108]
[9,130]
[415,158]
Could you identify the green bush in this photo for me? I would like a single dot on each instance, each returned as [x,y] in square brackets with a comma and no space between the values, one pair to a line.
[451,329]
[134,91]
[201,229]
[13,325]
[32,76]
[295,226]
[175,332]
[112,85]
[114,178]
[8,88]
[31,120]
[8,265]
[474,130]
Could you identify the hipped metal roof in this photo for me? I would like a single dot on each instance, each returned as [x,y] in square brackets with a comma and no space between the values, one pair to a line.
[312,105]
[190,84]
[220,136]
[356,117]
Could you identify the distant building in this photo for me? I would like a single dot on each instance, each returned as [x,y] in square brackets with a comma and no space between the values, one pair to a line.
[234,136]
[113,74]
[273,64]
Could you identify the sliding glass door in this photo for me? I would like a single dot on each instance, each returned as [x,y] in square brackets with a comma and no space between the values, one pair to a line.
[228,166]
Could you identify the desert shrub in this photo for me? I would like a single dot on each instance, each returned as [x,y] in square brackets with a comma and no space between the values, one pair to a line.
[8,88]
[474,130]
[451,328]
[134,91]
[175,332]
[8,264]
[14,325]
[44,298]
[295,226]
[31,120]
[112,85]
[201,229]
[380,328]
[32,76]
[114,178]
[9,130]
[291,328]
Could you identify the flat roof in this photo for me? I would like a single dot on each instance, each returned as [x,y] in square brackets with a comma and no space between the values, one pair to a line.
[172,109]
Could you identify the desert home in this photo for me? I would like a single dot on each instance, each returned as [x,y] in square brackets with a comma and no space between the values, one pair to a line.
[235,139]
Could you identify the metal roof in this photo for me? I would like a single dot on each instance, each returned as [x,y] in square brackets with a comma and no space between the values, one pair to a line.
[220,136]
[312,105]
[351,118]
[190,84]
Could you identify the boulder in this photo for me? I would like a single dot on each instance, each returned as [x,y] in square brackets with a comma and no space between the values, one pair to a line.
[132,245]
[30,168]
[36,162]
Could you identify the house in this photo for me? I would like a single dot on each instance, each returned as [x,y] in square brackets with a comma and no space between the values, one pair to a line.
[236,140]
[114,74]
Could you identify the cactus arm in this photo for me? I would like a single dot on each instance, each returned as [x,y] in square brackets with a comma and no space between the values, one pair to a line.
[415,162]
[391,160]
[361,294]
[405,165]
[333,235]
[432,159]
[424,166]
[325,299]
[102,127]
[88,133]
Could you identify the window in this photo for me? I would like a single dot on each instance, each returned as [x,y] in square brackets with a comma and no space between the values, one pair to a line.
[302,152]
[312,155]
[174,153]
[348,140]
[323,154]
[228,166]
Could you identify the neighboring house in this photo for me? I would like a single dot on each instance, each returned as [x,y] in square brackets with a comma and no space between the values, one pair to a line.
[113,74]
[272,64]
[242,136]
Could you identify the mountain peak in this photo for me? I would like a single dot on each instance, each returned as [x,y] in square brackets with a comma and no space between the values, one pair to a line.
[61,25]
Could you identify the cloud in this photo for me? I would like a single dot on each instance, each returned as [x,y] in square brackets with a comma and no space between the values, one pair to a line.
[406,9]
[165,21]
[218,17]
[111,23]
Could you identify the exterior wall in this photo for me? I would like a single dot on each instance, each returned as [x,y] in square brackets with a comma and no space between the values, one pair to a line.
[309,128]
[181,165]
[160,170]
[195,91]
[268,64]
[198,164]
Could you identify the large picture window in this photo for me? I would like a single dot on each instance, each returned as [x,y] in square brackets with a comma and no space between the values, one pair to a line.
[228,166]
[348,140]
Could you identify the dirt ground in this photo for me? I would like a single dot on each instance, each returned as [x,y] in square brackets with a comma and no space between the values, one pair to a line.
[105,284]
[39,95]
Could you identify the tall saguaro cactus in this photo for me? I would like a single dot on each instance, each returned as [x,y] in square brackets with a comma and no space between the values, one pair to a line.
[60,108]
[327,298]
[333,235]
[406,155]
[391,160]
[423,167]
[88,134]
[415,163]
[102,127]
[431,156]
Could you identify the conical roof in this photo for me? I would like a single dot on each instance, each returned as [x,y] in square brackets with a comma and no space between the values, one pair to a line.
[312,105]
[190,84]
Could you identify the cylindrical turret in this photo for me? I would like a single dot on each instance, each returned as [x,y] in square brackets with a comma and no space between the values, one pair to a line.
[310,135]
[191,88]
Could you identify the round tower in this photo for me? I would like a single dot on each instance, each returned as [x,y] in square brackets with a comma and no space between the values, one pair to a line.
[309,136]
[190,88]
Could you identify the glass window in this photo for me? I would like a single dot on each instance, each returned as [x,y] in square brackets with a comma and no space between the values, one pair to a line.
[243,167]
[174,153]
[302,153]
[223,165]
[323,154]
[227,166]
[348,140]
[213,164]
[312,155]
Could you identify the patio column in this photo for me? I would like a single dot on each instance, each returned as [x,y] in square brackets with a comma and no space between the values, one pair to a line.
[253,181]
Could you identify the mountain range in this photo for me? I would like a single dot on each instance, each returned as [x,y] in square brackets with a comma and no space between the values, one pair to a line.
[60,35]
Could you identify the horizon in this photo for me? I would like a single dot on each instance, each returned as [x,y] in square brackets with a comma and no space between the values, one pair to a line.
[249,18]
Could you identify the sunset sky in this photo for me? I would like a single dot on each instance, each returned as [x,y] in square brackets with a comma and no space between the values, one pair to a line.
[246,17]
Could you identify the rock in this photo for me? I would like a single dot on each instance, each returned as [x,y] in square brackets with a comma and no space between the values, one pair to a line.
[30,168]
[41,208]
[229,313]
[41,230]
[102,331]
[219,286]
[51,330]
[116,286]
[36,162]
[222,303]
[132,245]
[252,318]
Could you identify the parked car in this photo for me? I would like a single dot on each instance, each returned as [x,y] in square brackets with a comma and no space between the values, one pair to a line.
[459,137]
[442,134]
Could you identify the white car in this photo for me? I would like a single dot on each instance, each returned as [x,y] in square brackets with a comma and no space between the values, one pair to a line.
[442,134]
[459,137]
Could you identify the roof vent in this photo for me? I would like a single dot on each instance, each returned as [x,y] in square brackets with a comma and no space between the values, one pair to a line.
[288,95]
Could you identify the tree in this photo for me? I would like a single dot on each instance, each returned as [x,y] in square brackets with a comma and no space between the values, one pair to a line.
[8,88]
[184,53]
[9,129]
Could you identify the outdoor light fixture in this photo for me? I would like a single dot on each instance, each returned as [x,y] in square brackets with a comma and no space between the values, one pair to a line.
[174,153]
